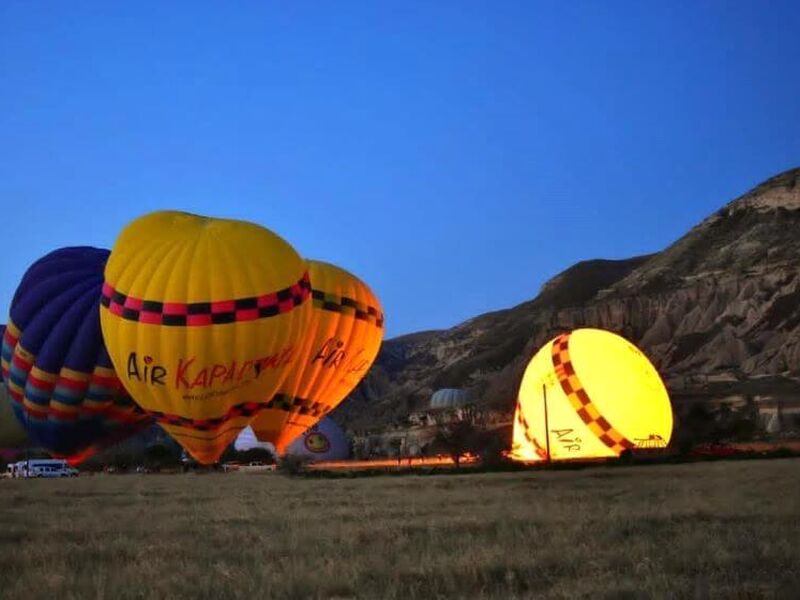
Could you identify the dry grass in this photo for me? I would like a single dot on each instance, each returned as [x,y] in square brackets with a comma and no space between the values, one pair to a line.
[731,529]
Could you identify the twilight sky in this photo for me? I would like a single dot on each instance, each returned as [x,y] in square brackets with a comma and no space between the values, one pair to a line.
[455,155]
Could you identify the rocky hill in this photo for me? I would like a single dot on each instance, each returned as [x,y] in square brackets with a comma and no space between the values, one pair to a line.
[718,312]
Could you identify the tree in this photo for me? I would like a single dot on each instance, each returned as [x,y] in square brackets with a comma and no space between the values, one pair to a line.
[161,456]
[293,464]
[696,427]
[702,424]
[456,439]
[396,444]
[261,455]
[466,433]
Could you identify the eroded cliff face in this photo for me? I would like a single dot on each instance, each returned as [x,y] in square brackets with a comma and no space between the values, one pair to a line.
[722,304]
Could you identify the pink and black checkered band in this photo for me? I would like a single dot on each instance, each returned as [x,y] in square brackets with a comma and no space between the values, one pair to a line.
[527,431]
[580,400]
[348,306]
[280,402]
[156,312]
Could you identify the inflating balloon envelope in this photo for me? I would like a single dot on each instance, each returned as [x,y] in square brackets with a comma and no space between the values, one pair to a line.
[323,441]
[589,393]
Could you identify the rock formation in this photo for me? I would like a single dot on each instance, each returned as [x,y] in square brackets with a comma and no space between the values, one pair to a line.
[718,312]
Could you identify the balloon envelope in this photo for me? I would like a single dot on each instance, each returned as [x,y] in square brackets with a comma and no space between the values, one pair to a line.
[343,337]
[599,396]
[202,318]
[57,371]
[449,398]
[247,440]
[323,441]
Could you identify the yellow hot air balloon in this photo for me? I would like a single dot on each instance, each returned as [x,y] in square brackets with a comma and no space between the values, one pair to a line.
[344,336]
[589,394]
[202,318]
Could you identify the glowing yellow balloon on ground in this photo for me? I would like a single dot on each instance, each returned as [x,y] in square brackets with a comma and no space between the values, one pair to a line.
[344,336]
[603,396]
[202,318]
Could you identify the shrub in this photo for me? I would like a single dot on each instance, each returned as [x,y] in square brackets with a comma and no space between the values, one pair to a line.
[292,464]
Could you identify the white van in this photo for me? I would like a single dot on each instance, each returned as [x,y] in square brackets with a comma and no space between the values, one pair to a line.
[39,467]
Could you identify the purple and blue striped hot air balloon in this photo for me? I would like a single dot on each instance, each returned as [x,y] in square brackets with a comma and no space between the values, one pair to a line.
[54,362]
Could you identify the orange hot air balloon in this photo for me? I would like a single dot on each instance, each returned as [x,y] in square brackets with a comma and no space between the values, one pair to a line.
[344,335]
[203,318]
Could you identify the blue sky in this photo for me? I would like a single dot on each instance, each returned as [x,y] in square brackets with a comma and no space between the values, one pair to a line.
[455,155]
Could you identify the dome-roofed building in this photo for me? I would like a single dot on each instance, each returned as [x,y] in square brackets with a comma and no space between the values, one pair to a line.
[449,399]
[445,405]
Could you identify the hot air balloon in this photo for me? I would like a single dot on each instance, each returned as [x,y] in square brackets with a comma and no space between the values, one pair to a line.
[247,440]
[343,339]
[323,441]
[56,369]
[449,399]
[589,394]
[203,318]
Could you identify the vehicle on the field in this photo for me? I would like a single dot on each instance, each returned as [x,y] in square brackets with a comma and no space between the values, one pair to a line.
[41,468]
[252,467]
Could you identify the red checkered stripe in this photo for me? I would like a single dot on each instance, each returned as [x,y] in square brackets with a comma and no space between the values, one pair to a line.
[122,410]
[245,409]
[193,314]
[301,406]
[347,306]
[583,405]
[526,431]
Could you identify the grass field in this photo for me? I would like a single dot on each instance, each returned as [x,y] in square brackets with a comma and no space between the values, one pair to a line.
[724,529]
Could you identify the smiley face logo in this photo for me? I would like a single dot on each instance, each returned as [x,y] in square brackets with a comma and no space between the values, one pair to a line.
[317,443]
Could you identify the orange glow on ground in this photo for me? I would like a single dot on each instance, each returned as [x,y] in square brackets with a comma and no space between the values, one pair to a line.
[524,454]
[392,463]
